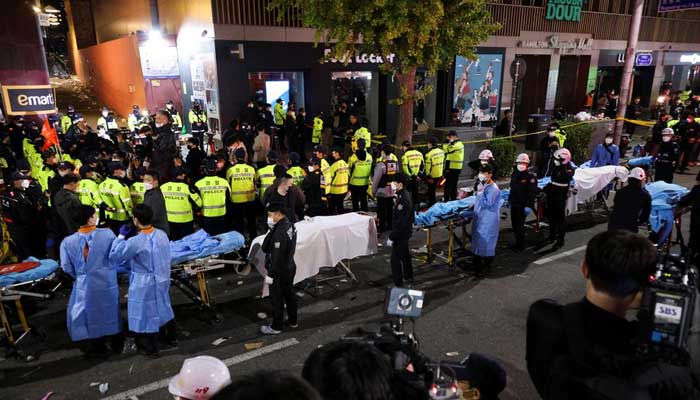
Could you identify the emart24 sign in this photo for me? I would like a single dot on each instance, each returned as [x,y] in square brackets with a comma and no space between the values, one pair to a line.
[29,99]
[564,10]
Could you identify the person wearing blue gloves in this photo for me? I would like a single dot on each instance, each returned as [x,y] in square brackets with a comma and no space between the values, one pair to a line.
[146,254]
[486,221]
[93,309]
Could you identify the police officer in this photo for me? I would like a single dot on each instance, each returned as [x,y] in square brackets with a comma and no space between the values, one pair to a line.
[523,189]
[454,153]
[198,121]
[179,198]
[243,206]
[214,192]
[68,119]
[17,212]
[47,171]
[296,171]
[339,182]
[279,113]
[667,157]
[402,224]
[320,152]
[317,130]
[548,145]
[384,173]
[116,197]
[360,165]
[314,187]
[108,123]
[174,115]
[434,164]
[557,190]
[136,119]
[412,162]
[360,133]
[265,176]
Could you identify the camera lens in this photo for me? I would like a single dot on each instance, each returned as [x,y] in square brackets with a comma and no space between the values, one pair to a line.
[405,302]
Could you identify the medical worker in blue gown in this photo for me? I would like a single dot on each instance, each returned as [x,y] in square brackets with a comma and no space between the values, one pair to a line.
[486,221]
[93,309]
[146,254]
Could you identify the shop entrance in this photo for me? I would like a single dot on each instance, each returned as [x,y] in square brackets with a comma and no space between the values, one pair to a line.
[571,83]
[609,79]
[532,90]
[267,87]
[357,90]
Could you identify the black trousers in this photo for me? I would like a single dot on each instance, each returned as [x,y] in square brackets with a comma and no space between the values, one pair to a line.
[401,266]
[281,294]
[556,213]
[359,198]
[385,209]
[98,346]
[23,242]
[199,135]
[432,186]
[482,264]
[214,225]
[517,220]
[149,343]
[451,181]
[244,217]
[335,204]
[413,189]
[180,230]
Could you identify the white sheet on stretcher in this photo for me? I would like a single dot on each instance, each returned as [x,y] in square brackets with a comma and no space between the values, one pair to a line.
[323,242]
[589,181]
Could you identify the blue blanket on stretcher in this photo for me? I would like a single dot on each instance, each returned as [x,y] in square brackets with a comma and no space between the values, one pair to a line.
[46,267]
[664,197]
[200,244]
[641,161]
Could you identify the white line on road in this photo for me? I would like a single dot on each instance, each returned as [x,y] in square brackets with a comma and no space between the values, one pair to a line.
[163,383]
[560,255]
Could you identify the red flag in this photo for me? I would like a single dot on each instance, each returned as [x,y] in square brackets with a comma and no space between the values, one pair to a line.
[49,134]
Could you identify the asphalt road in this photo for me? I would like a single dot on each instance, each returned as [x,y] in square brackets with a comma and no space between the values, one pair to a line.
[461,315]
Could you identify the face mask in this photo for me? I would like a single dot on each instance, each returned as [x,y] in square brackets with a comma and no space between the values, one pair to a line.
[25,183]
[270,222]
[169,106]
[311,168]
[146,164]
[105,113]
[63,173]
[522,167]
[482,178]
[159,125]
[147,185]
[393,186]
[557,163]
[19,124]
[608,141]
[551,134]
[484,162]
[666,138]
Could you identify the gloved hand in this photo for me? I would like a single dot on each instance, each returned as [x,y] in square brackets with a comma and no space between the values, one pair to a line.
[269,280]
[389,242]
[125,230]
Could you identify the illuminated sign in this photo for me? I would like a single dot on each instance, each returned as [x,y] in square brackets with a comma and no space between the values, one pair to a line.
[29,100]
[690,58]
[564,10]
[553,42]
[362,58]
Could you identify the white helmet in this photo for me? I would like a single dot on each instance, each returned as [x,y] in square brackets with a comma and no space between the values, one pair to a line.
[638,173]
[486,155]
[667,131]
[563,154]
[522,158]
[200,378]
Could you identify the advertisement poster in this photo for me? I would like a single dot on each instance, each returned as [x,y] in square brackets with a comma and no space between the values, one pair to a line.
[159,62]
[674,5]
[477,87]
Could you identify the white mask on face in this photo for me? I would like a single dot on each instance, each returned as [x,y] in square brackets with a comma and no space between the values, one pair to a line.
[393,186]
[169,106]
[522,167]
[105,113]
[557,163]
[482,178]
[551,134]
[311,168]
[63,172]
[270,222]
[25,183]
[666,138]
[484,162]
[608,140]
[147,186]
[159,125]
[146,164]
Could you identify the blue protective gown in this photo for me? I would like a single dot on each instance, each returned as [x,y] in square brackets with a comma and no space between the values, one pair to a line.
[93,308]
[486,221]
[602,157]
[147,256]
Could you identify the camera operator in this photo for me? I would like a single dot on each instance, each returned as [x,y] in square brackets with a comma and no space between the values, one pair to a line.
[586,350]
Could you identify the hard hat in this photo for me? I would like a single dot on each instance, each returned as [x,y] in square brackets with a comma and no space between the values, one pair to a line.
[200,378]
[485,155]
[563,154]
[522,158]
[638,173]
[667,131]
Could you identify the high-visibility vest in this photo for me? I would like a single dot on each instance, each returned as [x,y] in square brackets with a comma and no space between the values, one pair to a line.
[318,130]
[561,136]
[177,121]
[326,171]
[28,148]
[360,170]
[279,114]
[242,179]
[362,133]
[200,116]
[137,191]
[42,175]
[66,123]
[339,177]
[177,202]
[454,153]
[108,125]
[297,174]
[411,162]
[213,191]
[434,163]
[117,198]
[89,193]
[265,177]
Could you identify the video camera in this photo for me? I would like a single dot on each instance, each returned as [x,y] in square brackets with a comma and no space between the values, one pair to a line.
[667,309]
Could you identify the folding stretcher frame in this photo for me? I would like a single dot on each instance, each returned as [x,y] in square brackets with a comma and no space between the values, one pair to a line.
[452,223]
[12,293]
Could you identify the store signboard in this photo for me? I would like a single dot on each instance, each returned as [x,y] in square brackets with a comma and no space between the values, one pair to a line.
[643,59]
[361,58]
[477,86]
[553,42]
[564,10]
[674,5]
[690,58]
[159,61]
[29,99]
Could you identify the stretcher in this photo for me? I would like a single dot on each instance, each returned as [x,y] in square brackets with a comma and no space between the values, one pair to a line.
[198,253]
[663,216]
[15,285]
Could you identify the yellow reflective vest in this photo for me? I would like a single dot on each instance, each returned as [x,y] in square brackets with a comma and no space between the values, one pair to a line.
[177,202]
[265,177]
[137,191]
[362,133]
[297,174]
[412,162]
[177,121]
[117,198]
[214,193]
[326,171]
[42,175]
[318,130]
[66,123]
[454,153]
[434,163]
[278,113]
[89,193]
[360,170]
[339,177]
[242,180]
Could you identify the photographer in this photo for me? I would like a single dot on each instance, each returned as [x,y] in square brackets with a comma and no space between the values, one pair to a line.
[586,350]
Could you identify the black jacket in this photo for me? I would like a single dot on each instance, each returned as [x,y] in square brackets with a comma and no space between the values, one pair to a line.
[289,201]
[17,209]
[632,208]
[164,146]
[279,247]
[693,199]
[311,185]
[523,189]
[402,217]
[193,162]
[67,206]
[154,199]
[668,153]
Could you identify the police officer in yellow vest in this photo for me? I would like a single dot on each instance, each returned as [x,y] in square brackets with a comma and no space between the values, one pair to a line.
[296,171]
[68,120]
[242,177]
[412,165]
[434,165]
[339,182]
[279,113]
[137,191]
[318,129]
[198,122]
[108,123]
[215,194]
[179,199]
[88,189]
[47,171]
[265,176]
[454,153]
[361,133]
[174,115]
[320,153]
[360,165]
[116,199]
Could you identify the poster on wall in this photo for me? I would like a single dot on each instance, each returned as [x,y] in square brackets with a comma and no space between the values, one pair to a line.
[204,83]
[477,87]
[159,62]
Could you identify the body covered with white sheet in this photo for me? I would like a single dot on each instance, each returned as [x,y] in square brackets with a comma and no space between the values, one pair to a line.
[486,221]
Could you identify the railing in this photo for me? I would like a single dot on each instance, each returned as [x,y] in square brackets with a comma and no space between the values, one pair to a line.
[253,12]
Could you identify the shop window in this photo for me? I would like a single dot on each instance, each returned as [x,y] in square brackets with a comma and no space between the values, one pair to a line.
[267,87]
[356,90]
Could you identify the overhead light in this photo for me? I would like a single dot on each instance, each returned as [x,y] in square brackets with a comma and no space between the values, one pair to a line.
[36,9]
[155,34]
[51,10]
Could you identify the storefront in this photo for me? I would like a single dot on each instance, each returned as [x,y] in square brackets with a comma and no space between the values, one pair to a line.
[610,67]
[682,70]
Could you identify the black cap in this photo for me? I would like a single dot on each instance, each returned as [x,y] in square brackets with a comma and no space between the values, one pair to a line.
[239,154]
[17,176]
[279,171]
[48,154]
[23,165]
[66,165]
[3,134]
[315,161]
[210,165]
[294,157]
[320,149]
[85,169]
[114,166]
[169,102]
[337,149]
[178,171]
[406,143]
[433,140]
[272,156]
[401,178]
[452,133]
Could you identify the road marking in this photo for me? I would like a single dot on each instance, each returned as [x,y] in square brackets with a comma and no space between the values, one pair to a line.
[241,358]
[560,255]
